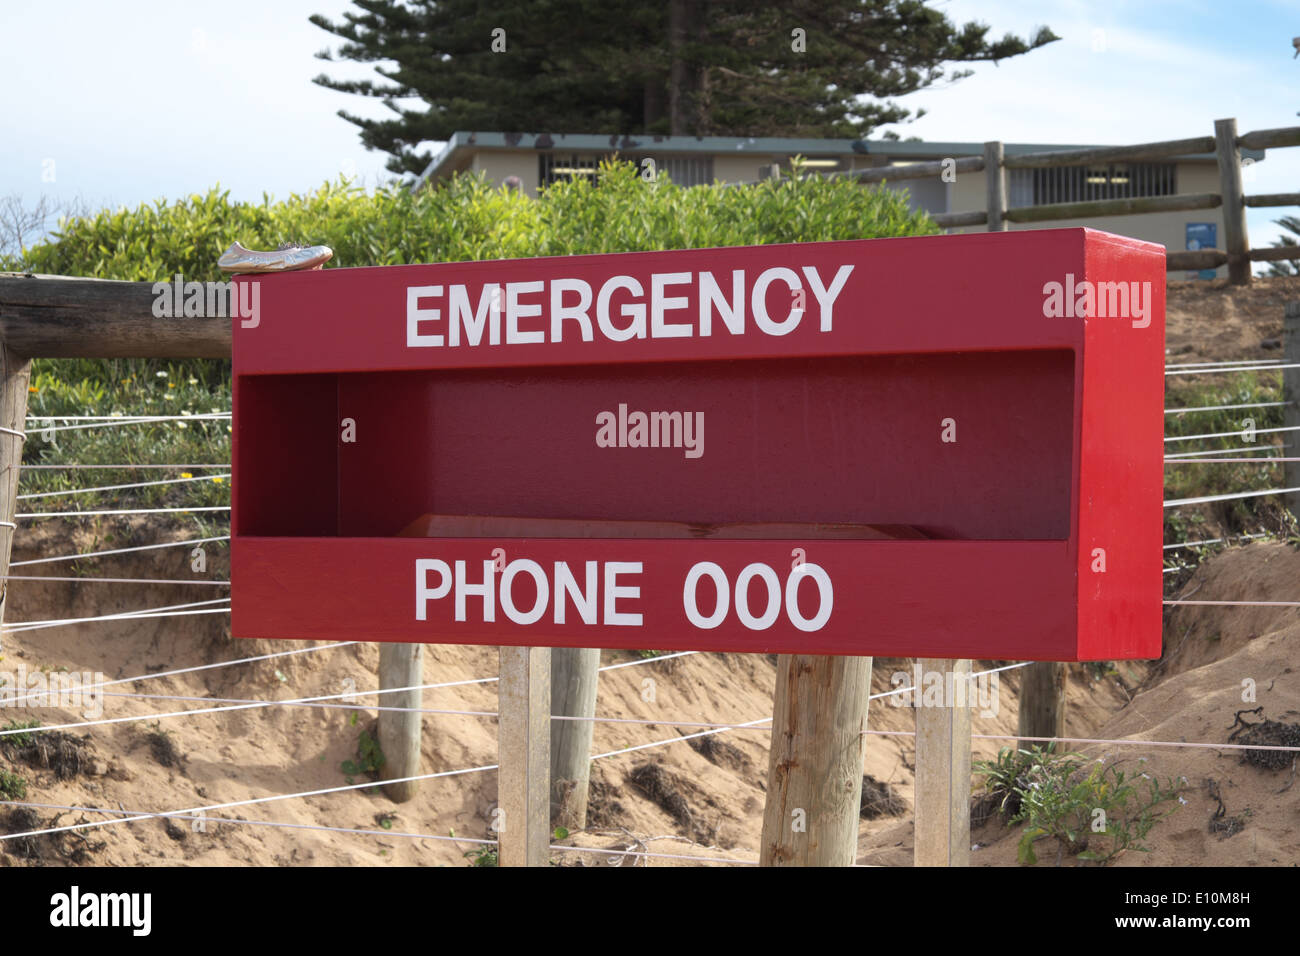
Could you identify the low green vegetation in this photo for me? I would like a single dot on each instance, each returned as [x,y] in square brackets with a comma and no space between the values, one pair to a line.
[16,741]
[1238,428]
[484,855]
[470,219]
[12,786]
[369,758]
[1093,810]
[127,388]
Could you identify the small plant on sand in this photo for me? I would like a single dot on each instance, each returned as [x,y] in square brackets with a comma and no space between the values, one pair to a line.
[369,759]
[1095,811]
[484,855]
[18,740]
[12,786]
[1004,776]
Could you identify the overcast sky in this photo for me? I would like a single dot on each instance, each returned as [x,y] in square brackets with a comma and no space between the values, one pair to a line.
[129,101]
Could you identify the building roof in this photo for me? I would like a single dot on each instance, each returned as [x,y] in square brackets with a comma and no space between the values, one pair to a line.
[463,144]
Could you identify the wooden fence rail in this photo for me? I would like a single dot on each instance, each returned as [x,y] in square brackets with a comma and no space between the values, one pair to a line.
[1226,145]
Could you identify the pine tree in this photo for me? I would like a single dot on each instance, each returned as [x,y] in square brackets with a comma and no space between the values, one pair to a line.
[811,68]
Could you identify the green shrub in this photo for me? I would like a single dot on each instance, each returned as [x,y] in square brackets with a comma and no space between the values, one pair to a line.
[1095,811]
[12,786]
[469,219]
[17,741]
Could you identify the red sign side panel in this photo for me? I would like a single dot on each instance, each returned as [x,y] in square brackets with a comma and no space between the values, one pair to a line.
[1121,471]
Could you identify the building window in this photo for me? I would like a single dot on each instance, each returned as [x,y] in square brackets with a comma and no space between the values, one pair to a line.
[683,170]
[556,168]
[1040,187]
[687,170]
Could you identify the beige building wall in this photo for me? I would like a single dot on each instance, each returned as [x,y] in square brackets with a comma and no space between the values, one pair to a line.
[964,195]
[1166,228]
[500,163]
[739,169]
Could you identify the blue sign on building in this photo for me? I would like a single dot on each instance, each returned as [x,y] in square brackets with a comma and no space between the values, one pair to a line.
[1203,235]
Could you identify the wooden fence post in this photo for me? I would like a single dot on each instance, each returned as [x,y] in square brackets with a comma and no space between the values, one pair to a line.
[1236,243]
[1042,702]
[523,756]
[1291,395]
[814,777]
[14,374]
[575,672]
[942,836]
[995,187]
[400,665]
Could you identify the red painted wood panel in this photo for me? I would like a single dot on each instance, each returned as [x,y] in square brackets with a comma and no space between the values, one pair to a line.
[1002,600]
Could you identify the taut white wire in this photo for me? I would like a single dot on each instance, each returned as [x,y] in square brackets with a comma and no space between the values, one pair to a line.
[347,695]
[137,484]
[244,803]
[1195,544]
[199,667]
[128,511]
[368,832]
[1235,368]
[124,615]
[141,420]
[1230,362]
[256,823]
[1226,451]
[1174,503]
[106,418]
[1223,408]
[1236,434]
[210,464]
[97,554]
[128,617]
[1237,603]
[48,577]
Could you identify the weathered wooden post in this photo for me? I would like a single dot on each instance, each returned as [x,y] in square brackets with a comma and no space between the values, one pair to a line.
[523,757]
[15,371]
[942,836]
[400,665]
[995,187]
[1041,702]
[1042,693]
[814,777]
[1236,243]
[575,672]
[1291,395]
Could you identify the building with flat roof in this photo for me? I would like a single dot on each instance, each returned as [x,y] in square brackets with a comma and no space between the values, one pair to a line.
[539,159]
